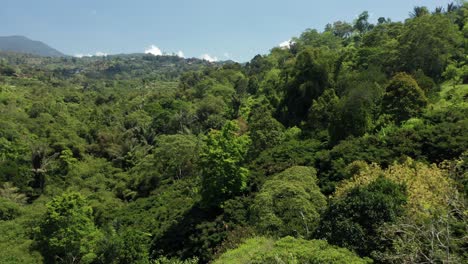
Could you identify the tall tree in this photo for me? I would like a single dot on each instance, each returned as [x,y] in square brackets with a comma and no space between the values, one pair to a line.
[427,43]
[353,116]
[223,176]
[290,203]
[419,11]
[362,24]
[353,221]
[265,130]
[308,80]
[403,98]
[67,233]
[322,110]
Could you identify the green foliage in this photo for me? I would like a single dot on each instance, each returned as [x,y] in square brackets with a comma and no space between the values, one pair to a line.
[352,116]
[289,153]
[313,38]
[164,260]
[15,243]
[322,110]
[309,78]
[290,203]
[265,131]
[332,164]
[11,193]
[125,246]
[67,232]
[340,29]
[353,221]
[427,42]
[457,74]
[459,172]
[157,213]
[258,65]
[7,70]
[176,155]
[288,250]
[419,11]
[403,98]
[426,83]
[147,140]
[8,209]
[223,176]
[270,87]
[361,24]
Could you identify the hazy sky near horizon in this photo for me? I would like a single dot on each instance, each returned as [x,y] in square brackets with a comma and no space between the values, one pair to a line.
[236,29]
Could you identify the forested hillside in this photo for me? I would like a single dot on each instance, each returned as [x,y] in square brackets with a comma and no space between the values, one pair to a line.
[348,146]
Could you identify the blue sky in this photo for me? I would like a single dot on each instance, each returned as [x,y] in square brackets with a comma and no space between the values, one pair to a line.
[235,29]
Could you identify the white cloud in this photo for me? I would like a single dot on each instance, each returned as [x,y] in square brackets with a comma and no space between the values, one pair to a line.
[208,57]
[80,55]
[180,54]
[100,54]
[285,44]
[153,50]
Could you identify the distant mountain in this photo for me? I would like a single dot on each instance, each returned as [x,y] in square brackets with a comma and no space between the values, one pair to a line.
[21,44]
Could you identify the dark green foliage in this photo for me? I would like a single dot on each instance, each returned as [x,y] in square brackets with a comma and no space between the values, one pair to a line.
[8,209]
[403,98]
[322,110]
[265,131]
[340,29]
[308,80]
[18,175]
[197,233]
[165,260]
[289,204]
[157,213]
[290,153]
[353,221]
[176,155]
[331,164]
[379,49]
[361,24]
[352,116]
[7,70]
[125,246]
[258,65]
[426,83]
[427,42]
[444,141]
[371,79]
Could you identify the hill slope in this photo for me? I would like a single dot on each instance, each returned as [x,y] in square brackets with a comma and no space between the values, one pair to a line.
[21,44]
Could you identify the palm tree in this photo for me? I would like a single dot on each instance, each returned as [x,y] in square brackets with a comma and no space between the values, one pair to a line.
[419,11]
[40,163]
[451,7]
[438,10]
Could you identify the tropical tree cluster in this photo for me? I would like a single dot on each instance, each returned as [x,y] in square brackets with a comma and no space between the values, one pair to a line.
[347,146]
